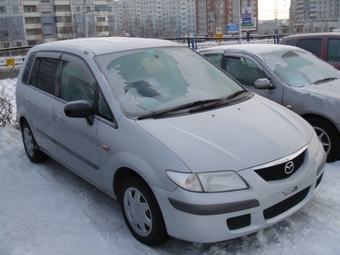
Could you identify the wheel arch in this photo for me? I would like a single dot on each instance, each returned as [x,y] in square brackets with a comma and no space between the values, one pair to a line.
[322,118]
[119,177]
[21,121]
[334,134]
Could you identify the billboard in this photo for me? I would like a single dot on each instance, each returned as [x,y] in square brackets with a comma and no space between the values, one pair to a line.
[248,22]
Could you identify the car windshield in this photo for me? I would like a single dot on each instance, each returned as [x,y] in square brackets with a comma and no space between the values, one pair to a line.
[146,80]
[299,68]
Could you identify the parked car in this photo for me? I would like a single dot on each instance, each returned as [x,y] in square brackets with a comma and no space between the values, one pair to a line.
[136,118]
[291,77]
[323,45]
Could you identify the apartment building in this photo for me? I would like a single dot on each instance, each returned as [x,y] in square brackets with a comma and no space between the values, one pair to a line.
[31,22]
[314,15]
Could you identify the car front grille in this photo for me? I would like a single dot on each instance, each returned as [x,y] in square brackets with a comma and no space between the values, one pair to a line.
[238,222]
[285,205]
[280,171]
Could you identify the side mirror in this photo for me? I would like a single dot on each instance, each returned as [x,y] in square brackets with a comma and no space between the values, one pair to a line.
[263,83]
[80,109]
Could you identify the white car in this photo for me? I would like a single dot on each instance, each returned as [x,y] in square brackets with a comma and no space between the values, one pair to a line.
[291,77]
[187,151]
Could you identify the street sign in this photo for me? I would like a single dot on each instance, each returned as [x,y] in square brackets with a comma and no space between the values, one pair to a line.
[219,34]
[232,28]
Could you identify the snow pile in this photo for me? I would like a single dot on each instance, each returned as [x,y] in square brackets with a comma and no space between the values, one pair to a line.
[46,209]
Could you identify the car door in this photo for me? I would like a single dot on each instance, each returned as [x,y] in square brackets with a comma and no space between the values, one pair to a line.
[247,70]
[40,97]
[76,138]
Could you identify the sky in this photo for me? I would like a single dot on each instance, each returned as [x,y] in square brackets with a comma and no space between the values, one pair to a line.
[266,9]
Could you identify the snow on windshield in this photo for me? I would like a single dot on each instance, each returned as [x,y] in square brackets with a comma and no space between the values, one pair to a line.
[298,68]
[162,78]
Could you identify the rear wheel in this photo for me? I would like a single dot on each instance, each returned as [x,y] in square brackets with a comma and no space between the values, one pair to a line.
[141,212]
[328,136]
[32,149]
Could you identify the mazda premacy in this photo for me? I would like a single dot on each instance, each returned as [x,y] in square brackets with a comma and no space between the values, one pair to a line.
[188,152]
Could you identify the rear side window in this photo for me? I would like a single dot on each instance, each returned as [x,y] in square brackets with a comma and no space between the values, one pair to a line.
[291,42]
[311,45]
[44,73]
[27,70]
[334,50]
[215,58]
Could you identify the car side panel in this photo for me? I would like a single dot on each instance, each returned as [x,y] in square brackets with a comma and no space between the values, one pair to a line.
[39,114]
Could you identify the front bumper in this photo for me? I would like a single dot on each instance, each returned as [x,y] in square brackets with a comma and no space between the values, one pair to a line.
[214,217]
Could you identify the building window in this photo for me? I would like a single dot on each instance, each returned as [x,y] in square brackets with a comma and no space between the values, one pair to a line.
[31,43]
[100,7]
[2,9]
[30,8]
[100,19]
[63,19]
[19,44]
[32,20]
[15,9]
[64,30]
[3,21]
[62,8]
[16,21]
[34,31]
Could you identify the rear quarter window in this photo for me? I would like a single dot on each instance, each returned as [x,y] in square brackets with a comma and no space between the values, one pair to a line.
[311,45]
[28,66]
[291,42]
[44,73]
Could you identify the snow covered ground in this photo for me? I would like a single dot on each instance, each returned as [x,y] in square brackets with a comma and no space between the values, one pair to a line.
[45,209]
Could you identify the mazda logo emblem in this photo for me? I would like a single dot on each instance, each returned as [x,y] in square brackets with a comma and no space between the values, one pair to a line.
[289,167]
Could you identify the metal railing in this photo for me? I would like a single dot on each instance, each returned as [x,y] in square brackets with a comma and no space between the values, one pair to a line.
[10,63]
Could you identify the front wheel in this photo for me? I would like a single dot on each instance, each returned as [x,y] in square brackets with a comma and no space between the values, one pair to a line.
[141,212]
[328,136]
[32,149]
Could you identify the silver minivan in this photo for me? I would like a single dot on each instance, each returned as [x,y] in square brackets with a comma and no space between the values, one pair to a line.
[187,151]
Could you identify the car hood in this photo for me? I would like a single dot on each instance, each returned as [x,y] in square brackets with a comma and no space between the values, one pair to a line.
[236,137]
[329,89]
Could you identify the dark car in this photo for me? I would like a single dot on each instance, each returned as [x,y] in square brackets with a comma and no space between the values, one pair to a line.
[323,45]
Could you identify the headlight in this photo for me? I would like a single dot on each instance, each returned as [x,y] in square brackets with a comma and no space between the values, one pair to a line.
[208,182]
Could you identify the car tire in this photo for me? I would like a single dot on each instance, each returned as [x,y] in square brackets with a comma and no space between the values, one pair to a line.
[328,136]
[31,147]
[141,212]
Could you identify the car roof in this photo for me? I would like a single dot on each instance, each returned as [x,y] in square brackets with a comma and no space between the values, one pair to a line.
[311,35]
[103,45]
[253,48]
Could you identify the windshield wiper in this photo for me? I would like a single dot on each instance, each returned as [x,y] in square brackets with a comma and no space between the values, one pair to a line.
[180,107]
[324,80]
[212,104]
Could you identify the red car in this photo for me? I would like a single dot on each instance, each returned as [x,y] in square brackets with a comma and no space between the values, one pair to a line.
[324,45]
